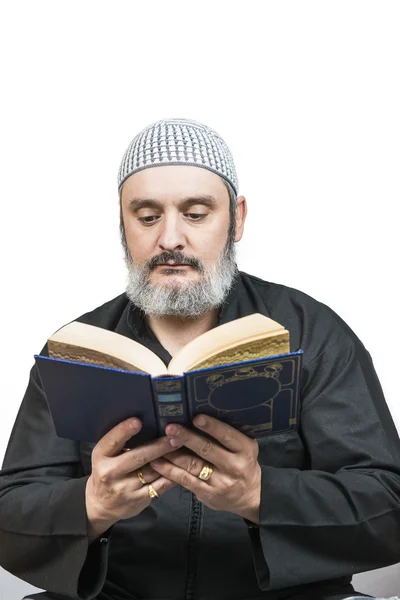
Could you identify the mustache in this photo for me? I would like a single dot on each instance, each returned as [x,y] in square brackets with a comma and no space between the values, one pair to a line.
[178,257]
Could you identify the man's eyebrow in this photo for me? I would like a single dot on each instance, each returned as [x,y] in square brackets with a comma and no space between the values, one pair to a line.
[137,203]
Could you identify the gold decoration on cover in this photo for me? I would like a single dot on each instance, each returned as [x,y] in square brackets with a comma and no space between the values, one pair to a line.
[232,373]
[171,410]
[273,346]
[166,387]
[271,371]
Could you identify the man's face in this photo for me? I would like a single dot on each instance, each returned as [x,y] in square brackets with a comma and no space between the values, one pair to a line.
[176,223]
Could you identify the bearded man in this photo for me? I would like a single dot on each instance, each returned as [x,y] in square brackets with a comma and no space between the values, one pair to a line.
[189,516]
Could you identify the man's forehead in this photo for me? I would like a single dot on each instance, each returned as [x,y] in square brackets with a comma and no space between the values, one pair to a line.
[174,183]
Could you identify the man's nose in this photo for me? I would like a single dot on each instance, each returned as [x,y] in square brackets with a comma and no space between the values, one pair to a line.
[171,237]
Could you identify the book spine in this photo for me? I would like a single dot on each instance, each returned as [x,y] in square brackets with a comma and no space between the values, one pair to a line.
[169,399]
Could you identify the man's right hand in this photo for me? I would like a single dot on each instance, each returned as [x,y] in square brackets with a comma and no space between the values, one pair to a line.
[113,490]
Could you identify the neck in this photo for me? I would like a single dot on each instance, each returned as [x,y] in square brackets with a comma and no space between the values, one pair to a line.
[175,332]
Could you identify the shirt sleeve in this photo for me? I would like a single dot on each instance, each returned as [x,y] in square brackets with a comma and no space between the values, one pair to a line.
[43,522]
[341,514]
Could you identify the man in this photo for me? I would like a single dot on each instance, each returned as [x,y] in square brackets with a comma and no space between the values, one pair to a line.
[292,515]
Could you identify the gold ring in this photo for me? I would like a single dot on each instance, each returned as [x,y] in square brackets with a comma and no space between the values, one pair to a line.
[152,492]
[141,478]
[206,472]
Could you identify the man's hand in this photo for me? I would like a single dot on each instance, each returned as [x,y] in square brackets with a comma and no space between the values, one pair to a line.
[113,490]
[235,484]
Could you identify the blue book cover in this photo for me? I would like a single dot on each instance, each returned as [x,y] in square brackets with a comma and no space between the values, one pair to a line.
[258,397]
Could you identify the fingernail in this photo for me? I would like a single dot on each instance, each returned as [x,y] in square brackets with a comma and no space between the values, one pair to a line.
[134,424]
[175,443]
[199,421]
[156,463]
[172,430]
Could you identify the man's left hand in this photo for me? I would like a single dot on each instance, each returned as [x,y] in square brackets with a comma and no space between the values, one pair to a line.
[235,483]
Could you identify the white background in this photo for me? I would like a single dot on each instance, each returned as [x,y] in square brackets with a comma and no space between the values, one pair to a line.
[307,96]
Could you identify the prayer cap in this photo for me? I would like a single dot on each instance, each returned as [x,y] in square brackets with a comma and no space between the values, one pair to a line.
[178,142]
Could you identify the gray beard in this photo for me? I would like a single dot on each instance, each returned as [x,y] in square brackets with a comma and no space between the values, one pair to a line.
[180,298]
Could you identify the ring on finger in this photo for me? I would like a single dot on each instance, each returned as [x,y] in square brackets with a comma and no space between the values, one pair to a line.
[152,492]
[141,478]
[205,472]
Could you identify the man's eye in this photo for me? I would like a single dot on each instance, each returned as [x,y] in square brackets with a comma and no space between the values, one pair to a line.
[148,220]
[196,216]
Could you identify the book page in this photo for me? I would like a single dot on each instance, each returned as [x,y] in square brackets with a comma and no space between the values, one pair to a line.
[80,342]
[249,350]
[217,341]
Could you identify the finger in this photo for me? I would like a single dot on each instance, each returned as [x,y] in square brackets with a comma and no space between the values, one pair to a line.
[187,461]
[148,474]
[181,477]
[208,449]
[141,455]
[112,443]
[162,485]
[225,434]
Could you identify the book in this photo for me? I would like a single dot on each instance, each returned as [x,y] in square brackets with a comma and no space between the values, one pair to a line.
[241,372]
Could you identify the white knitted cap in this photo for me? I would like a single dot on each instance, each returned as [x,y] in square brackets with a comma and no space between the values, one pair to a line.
[178,142]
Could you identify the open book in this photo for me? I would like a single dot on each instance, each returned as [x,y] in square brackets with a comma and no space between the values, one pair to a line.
[241,372]
[247,338]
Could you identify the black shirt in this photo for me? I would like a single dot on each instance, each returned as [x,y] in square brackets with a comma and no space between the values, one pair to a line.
[330,500]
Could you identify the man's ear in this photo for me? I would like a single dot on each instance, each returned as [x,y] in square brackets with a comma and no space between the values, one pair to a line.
[240,217]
